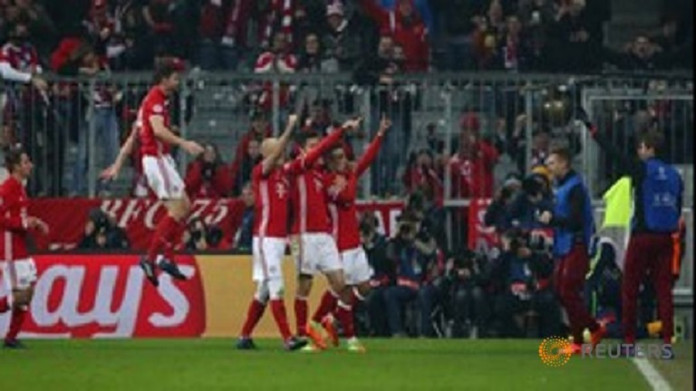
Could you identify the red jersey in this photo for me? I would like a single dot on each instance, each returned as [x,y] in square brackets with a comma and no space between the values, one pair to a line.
[344,214]
[154,104]
[13,220]
[271,192]
[473,176]
[310,213]
[22,58]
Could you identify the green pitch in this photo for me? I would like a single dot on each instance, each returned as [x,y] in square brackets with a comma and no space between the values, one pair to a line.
[405,364]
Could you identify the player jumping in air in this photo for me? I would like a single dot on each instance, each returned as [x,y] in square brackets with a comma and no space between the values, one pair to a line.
[341,184]
[155,138]
[18,269]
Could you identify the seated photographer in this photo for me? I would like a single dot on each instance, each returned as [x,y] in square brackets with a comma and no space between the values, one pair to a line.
[208,176]
[414,254]
[102,233]
[200,237]
[468,305]
[383,275]
[524,268]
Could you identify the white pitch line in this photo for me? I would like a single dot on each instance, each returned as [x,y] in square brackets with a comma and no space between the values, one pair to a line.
[654,378]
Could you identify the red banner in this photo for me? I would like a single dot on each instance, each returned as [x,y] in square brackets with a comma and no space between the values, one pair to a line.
[138,217]
[108,296]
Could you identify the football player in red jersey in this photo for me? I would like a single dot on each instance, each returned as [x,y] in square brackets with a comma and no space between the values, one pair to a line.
[18,269]
[341,183]
[155,139]
[271,192]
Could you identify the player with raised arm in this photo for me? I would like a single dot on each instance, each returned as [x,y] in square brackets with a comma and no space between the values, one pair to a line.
[17,268]
[313,246]
[271,191]
[155,138]
[341,184]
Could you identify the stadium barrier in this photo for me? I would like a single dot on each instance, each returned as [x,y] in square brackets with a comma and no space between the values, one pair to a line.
[107,296]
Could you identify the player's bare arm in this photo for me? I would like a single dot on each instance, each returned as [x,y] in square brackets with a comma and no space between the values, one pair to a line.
[166,135]
[282,142]
[112,171]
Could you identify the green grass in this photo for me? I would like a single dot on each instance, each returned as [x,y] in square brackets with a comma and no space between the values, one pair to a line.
[679,372]
[210,364]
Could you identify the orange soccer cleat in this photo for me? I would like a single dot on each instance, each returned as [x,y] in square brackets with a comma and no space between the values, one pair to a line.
[314,334]
[328,325]
[597,335]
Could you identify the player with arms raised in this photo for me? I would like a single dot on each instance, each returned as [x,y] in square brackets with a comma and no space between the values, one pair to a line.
[271,192]
[18,270]
[155,138]
[341,184]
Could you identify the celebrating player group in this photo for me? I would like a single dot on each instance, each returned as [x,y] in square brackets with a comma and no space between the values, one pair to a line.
[324,229]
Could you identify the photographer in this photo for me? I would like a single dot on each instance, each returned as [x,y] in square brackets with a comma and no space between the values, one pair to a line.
[468,303]
[200,237]
[414,258]
[524,270]
[207,176]
[497,214]
[534,198]
[102,233]
[383,275]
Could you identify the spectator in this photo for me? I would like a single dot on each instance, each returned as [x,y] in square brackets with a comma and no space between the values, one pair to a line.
[222,29]
[278,59]
[243,238]
[459,26]
[536,17]
[159,21]
[640,55]
[251,159]
[375,245]
[421,172]
[208,176]
[343,42]
[132,31]
[311,59]
[102,233]
[38,21]
[407,28]
[513,51]
[488,34]
[260,129]
[414,262]
[577,38]
[472,165]
[101,27]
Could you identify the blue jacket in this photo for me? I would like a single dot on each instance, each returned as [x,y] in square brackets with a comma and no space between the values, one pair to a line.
[661,192]
[573,220]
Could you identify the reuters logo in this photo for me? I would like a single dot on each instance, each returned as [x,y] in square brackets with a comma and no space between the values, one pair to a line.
[554,351]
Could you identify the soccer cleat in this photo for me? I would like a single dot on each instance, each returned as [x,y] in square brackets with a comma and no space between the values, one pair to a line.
[597,335]
[314,333]
[310,348]
[172,269]
[328,325]
[294,343]
[149,270]
[573,349]
[246,343]
[355,346]
[13,344]
[667,352]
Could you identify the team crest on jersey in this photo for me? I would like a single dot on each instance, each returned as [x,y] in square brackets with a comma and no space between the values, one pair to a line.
[281,190]
[157,108]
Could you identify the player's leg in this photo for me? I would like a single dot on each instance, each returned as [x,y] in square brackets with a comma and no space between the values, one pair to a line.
[257,306]
[305,272]
[5,302]
[661,273]
[22,279]
[167,184]
[632,275]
